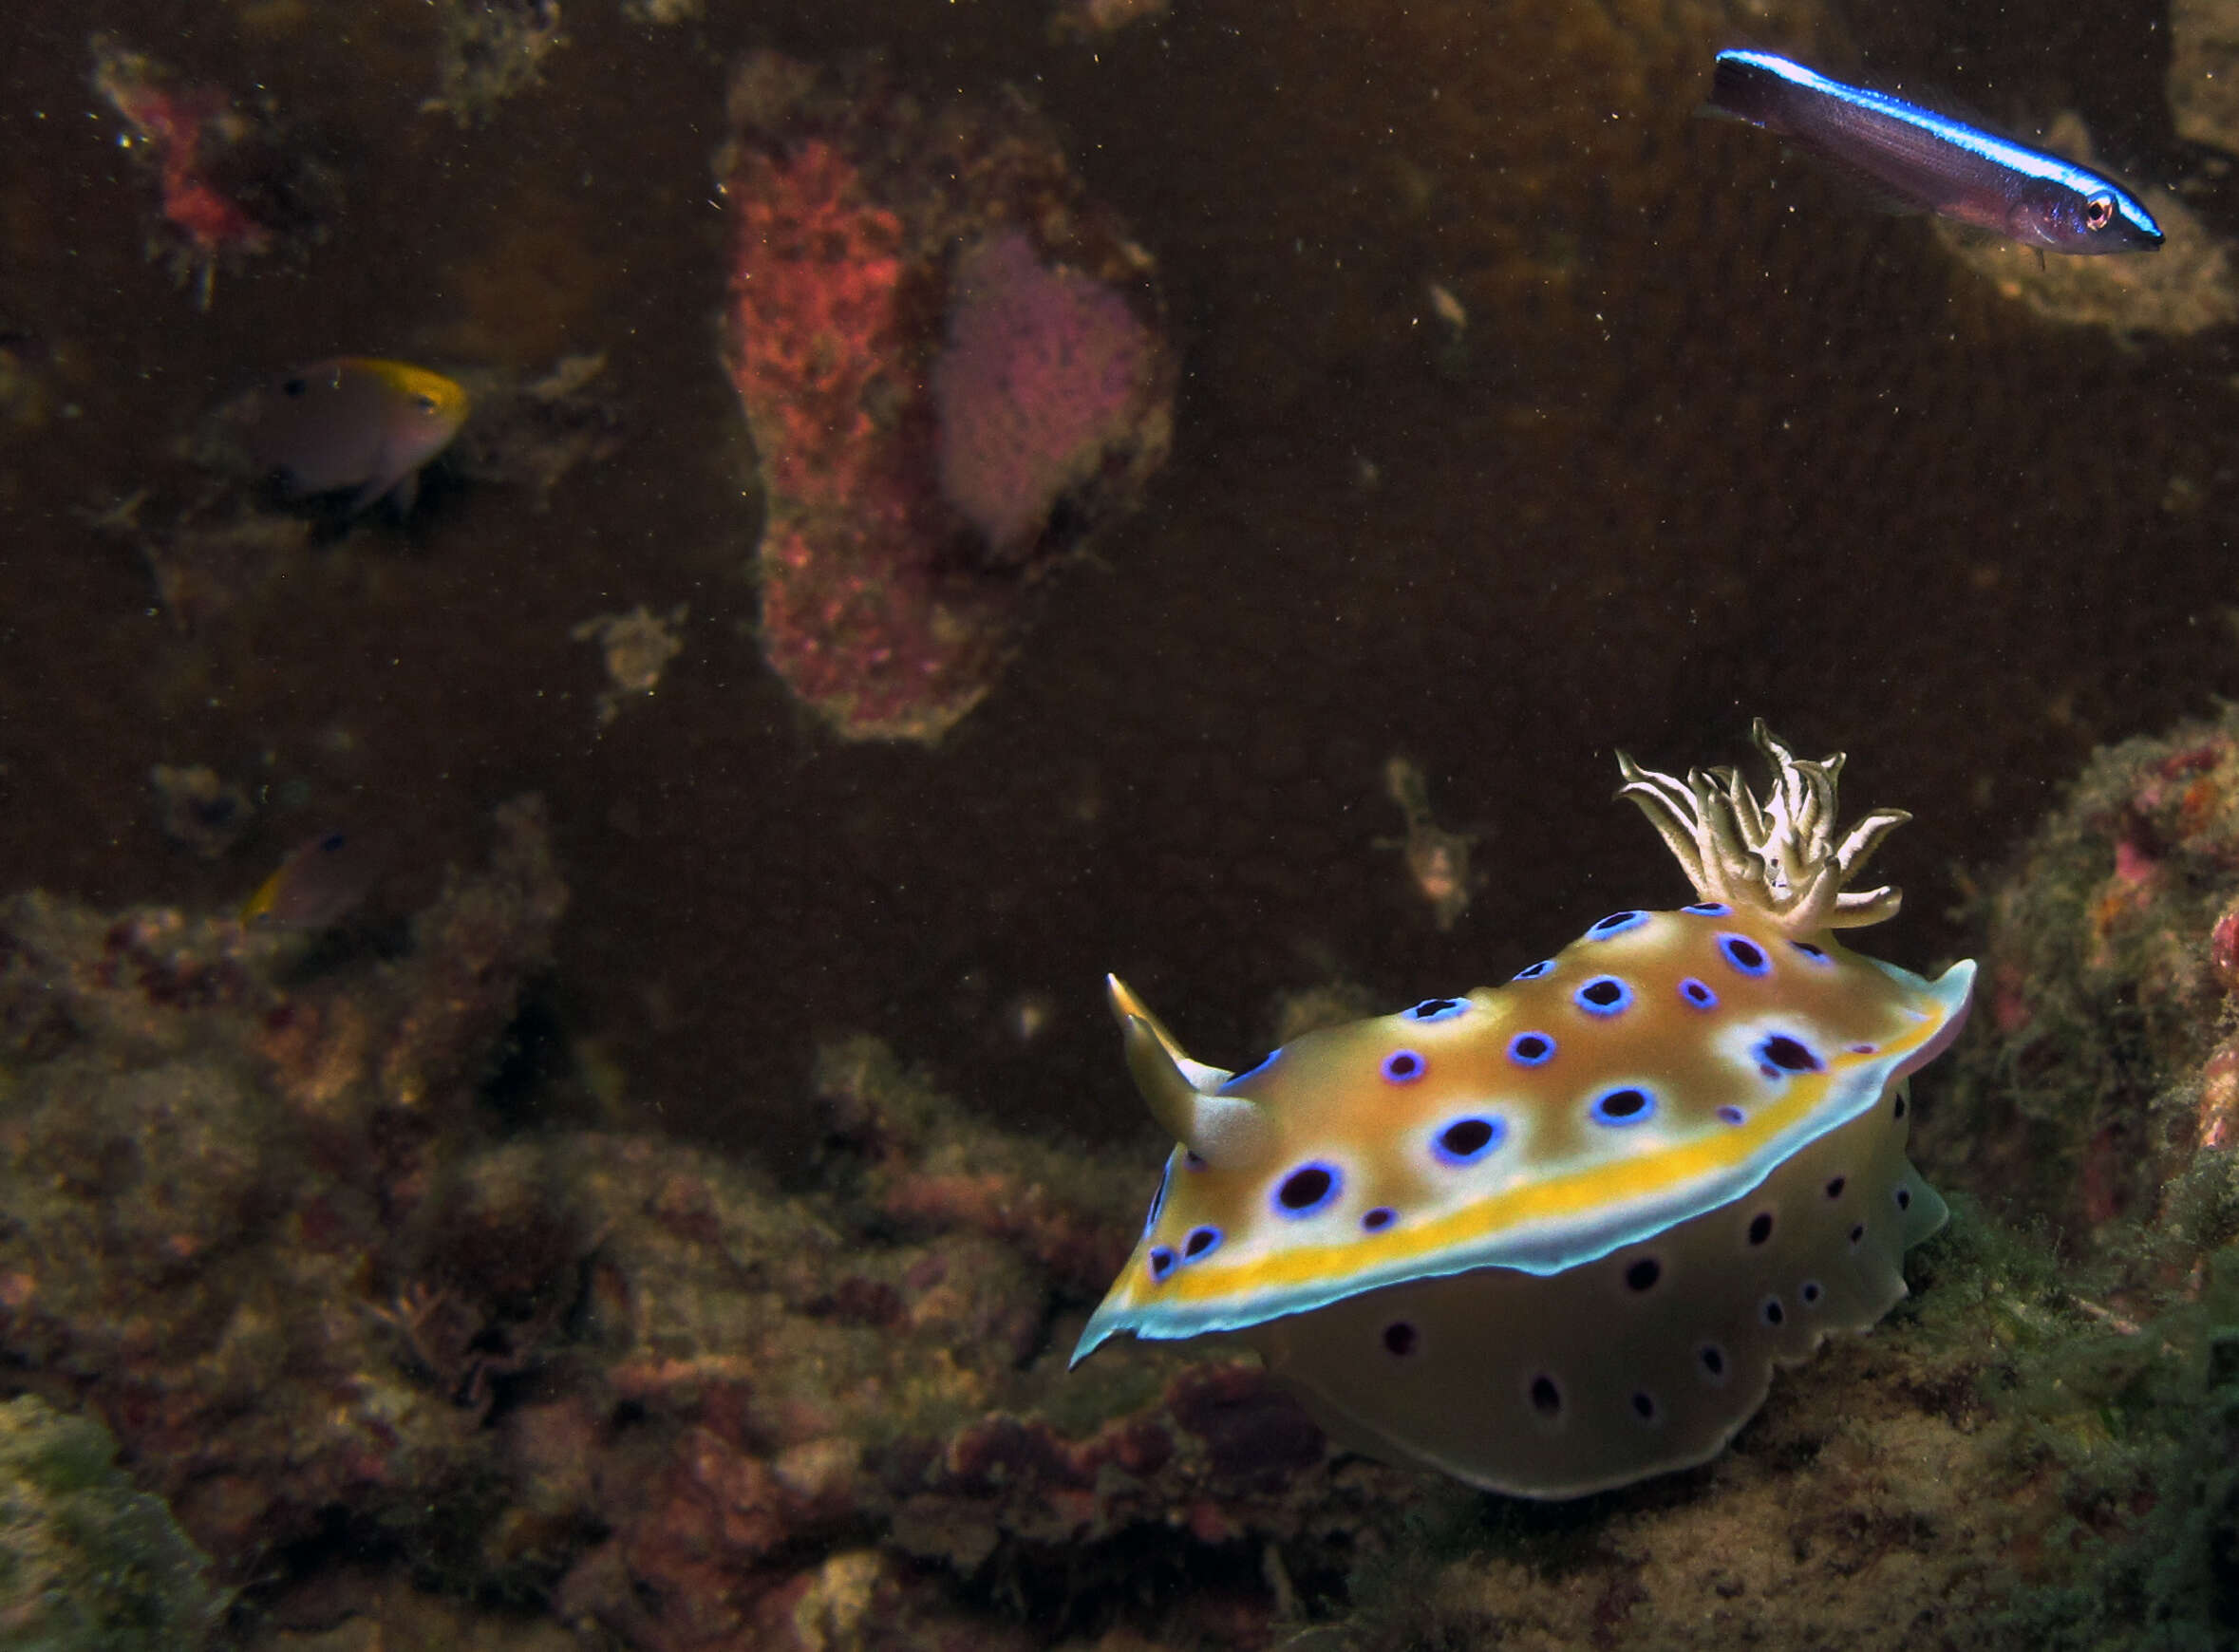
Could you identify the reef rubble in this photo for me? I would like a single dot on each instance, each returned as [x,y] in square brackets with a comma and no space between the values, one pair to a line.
[269,1220]
[418,1345]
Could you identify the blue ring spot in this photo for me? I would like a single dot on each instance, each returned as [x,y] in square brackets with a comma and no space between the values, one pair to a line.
[1533,971]
[1376,1221]
[1468,1140]
[1730,1113]
[1744,954]
[1708,909]
[1531,1049]
[1159,1198]
[1404,1066]
[1698,993]
[1201,1241]
[1616,924]
[1626,1106]
[1161,1263]
[1817,954]
[1604,995]
[1307,1189]
[1779,1053]
[1252,1071]
[1437,1009]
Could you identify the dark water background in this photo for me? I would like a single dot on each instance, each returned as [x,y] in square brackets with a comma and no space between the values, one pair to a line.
[1714,443]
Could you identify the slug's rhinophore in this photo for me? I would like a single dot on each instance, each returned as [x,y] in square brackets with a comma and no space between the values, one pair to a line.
[1553,1236]
[1930,163]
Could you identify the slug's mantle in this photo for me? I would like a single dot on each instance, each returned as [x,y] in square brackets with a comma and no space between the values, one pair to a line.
[1554,1236]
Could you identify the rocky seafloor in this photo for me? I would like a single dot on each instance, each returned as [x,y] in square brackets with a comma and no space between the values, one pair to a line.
[399,1343]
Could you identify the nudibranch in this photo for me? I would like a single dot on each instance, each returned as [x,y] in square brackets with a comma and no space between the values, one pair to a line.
[1553,1236]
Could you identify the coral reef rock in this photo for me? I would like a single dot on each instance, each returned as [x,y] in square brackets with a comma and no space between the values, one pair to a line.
[953,367]
[271,1219]
[220,1162]
[2105,1098]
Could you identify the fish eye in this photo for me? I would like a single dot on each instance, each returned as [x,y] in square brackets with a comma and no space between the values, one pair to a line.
[2098,211]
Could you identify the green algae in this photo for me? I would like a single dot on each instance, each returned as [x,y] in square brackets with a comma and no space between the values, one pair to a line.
[2143,1426]
[89,1563]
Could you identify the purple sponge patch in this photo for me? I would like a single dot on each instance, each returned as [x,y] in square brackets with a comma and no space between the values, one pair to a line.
[1045,370]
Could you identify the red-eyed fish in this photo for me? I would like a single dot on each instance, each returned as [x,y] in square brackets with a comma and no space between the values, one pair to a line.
[319,884]
[354,421]
[1929,163]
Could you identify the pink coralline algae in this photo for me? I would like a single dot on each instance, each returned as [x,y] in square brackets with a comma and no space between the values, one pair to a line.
[948,361]
[231,189]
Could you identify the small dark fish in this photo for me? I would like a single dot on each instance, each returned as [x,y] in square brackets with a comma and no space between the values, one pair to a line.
[354,421]
[318,884]
[1932,162]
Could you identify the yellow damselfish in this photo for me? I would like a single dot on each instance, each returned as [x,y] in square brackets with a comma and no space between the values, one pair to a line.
[354,421]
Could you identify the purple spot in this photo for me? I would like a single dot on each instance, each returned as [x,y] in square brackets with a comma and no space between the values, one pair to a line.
[1436,1009]
[1817,954]
[1616,924]
[1376,1221]
[1810,1292]
[1627,1105]
[1904,1198]
[1201,1241]
[1714,1361]
[1858,1232]
[1401,1338]
[1787,1055]
[1404,1067]
[1698,993]
[1834,1188]
[1604,995]
[1547,1398]
[1533,971]
[1643,1406]
[1760,1227]
[1467,1140]
[1708,909]
[1744,954]
[1898,1112]
[1772,1313]
[1161,1263]
[1862,1049]
[1531,1049]
[1192,1161]
[1306,1189]
[1730,1113]
[1644,1273]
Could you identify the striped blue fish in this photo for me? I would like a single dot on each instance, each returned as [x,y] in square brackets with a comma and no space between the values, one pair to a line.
[1932,162]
